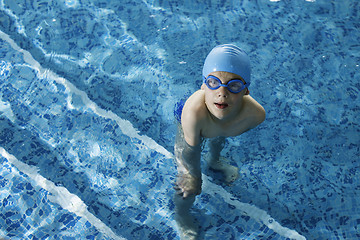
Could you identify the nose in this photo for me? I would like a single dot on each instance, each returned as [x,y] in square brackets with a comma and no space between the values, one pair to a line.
[222,92]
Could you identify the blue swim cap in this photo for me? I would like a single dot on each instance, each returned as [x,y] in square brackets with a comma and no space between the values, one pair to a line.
[228,58]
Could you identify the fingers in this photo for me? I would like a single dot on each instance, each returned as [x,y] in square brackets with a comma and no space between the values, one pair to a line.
[185,193]
[181,192]
[187,185]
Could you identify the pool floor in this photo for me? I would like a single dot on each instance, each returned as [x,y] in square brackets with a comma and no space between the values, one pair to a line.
[87,93]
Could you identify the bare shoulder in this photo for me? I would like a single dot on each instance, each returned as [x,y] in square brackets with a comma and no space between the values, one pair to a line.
[195,105]
[254,110]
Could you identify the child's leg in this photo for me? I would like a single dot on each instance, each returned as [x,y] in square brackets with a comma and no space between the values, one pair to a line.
[189,230]
[217,163]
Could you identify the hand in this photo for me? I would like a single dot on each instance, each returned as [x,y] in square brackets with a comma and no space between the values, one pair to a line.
[187,185]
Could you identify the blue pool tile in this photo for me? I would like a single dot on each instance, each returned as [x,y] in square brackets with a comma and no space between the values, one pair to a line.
[299,165]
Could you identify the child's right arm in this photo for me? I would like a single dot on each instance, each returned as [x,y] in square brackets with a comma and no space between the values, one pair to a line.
[188,164]
[188,151]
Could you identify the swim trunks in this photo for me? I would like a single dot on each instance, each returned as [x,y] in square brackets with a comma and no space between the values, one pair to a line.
[178,109]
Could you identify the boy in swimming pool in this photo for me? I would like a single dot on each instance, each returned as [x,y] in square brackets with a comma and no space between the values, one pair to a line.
[221,108]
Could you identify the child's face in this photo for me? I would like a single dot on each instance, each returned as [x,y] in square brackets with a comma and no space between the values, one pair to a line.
[221,103]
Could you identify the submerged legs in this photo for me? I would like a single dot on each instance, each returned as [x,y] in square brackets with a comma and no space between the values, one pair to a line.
[189,230]
[217,163]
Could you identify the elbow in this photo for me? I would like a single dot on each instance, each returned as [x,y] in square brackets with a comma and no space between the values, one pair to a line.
[261,115]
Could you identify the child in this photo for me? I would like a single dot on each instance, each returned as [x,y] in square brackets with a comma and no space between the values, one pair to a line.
[222,108]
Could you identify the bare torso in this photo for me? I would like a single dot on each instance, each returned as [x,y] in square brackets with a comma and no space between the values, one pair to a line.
[197,120]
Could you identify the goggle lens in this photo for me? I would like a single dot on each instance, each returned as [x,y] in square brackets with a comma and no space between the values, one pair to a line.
[234,86]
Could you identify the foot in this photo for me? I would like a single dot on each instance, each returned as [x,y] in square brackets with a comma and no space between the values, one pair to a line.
[189,230]
[231,173]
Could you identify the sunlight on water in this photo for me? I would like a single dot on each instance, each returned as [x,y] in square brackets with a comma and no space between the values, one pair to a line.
[87,94]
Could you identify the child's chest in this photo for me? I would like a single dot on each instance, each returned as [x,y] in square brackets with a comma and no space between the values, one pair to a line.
[232,129]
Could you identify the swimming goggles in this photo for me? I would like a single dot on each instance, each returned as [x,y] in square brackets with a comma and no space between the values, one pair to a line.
[234,86]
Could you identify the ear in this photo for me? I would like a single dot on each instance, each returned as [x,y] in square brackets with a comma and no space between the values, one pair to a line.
[247,92]
[203,86]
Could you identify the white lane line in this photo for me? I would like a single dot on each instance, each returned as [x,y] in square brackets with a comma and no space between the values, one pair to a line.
[60,195]
[252,211]
[128,129]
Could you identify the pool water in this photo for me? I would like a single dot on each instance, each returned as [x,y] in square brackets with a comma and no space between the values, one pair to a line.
[87,93]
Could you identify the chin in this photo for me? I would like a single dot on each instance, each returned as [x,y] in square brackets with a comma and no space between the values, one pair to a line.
[219,115]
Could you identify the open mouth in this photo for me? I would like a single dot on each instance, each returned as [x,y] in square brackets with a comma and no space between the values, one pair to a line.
[221,105]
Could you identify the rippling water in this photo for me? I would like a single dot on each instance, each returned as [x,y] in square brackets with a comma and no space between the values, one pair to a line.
[87,92]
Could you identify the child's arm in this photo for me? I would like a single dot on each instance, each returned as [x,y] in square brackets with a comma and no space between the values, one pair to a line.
[188,164]
[188,150]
